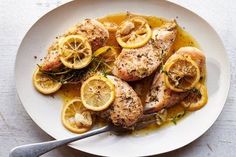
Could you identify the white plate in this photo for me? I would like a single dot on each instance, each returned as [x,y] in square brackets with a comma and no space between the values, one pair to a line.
[45,111]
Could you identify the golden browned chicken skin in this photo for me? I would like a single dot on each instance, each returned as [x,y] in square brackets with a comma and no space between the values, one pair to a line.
[126,108]
[137,63]
[52,60]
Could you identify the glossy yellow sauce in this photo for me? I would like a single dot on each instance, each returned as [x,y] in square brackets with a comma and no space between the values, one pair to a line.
[69,92]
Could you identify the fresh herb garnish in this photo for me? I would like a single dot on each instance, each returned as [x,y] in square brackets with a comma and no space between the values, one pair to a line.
[178,116]
[72,76]
[196,91]
[174,121]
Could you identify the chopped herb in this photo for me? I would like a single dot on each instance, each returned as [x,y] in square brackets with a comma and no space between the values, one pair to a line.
[178,116]
[165,72]
[39,66]
[104,73]
[73,76]
[196,91]
[174,121]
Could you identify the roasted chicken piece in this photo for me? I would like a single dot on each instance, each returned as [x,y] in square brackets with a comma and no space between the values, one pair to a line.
[93,30]
[52,60]
[160,96]
[137,63]
[126,108]
[164,38]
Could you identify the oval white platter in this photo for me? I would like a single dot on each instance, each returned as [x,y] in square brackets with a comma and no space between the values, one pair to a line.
[45,111]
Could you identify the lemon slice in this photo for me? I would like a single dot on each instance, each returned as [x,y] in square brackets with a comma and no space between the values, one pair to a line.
[75,52]
[105,58]
[97,93]
[133,33]
[181,73]
[75,117]
[196,99]
[44,84]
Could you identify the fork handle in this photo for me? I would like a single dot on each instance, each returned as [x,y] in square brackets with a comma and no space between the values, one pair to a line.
[37,149]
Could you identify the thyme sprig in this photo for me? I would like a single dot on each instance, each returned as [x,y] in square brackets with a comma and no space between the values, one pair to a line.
[73,76]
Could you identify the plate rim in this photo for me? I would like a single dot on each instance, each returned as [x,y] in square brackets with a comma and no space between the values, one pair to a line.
[227,89]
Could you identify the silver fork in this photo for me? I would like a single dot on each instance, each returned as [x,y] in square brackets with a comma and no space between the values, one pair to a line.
[37,149]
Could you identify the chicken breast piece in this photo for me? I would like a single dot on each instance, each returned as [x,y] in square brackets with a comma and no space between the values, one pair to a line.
[97,36]
[95,31]
[135,64]
[160,96]
[164,38]
[52,60]
[196,55]
[126,108]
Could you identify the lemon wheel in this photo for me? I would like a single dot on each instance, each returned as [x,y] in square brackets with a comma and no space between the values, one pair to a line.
[106,57]
[75,51]
[196,99]
[97,93]
[75,117]
[133,33]
[181,73]
[44,84]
